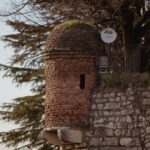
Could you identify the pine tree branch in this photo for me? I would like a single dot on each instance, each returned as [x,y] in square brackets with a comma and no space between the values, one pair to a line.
[5,67]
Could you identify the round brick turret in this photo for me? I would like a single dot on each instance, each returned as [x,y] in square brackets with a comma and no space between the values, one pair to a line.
[71,74]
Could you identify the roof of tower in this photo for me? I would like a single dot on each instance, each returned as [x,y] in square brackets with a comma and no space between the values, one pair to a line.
[75,35]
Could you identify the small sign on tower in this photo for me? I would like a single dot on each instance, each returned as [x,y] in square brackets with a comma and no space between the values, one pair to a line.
[108,35]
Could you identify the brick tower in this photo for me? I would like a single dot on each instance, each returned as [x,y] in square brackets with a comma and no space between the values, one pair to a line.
[71,75]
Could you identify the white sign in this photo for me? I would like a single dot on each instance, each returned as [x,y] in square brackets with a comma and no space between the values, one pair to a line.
[108,35]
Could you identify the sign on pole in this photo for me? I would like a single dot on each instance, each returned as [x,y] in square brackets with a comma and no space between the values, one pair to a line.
[108,35]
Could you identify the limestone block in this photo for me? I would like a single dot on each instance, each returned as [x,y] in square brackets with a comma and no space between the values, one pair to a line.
[146,94]
[94,96]
[95,114]
[111,125]
[148,112]
[109,132]
[103,100]
[100,106]
[106,95]
[147,145]
[117,99]
[111,106]
[125,141]
[129,102]
[111,99]
[106,113]
[94,141]
[100,131]
[110,141]
[99,95]
[148,130]
[122,119]
[93,107]
[119,94]
[51,137]
[131,98]
[97,120]
[123,98]
[129,119]
[70,135]
[101,120]
[146,101]
[117,132]
[112,95]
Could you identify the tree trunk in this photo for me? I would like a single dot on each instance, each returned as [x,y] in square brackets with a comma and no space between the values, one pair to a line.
[133,64]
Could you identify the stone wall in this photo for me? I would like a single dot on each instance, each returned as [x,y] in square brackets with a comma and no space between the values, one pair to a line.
[120,120]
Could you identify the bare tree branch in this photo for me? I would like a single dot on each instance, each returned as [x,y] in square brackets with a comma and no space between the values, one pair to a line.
[12,13]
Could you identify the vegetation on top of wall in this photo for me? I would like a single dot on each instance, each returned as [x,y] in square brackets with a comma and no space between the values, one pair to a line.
[70,23]
[125,80]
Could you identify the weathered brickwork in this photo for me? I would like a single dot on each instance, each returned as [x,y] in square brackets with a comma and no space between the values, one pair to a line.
[70,54]
[119,120]
[66,104]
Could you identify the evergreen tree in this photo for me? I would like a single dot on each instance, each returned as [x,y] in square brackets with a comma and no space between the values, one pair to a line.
[27,63]
[27,67]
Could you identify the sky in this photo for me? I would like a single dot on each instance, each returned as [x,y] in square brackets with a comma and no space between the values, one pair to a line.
[8,90]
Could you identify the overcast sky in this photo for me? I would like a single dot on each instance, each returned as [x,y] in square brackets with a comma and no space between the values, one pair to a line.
[8,90]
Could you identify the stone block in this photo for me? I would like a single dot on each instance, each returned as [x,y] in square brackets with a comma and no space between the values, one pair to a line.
[99,95]
[110,132]
[93,106]
[123,98]
[100,106]
[111,125]
[146,94]
[148,130]
[117,99]
[119,94]
[70,135]
[147,145]
[146,101]
[100,131]
[94,96]
[106,95]
[129,119]
[111,99]
[125,141]
[131,98]
[51,137]
[112,95]
[117,132]
[111,141]
[106,113]
[94,141]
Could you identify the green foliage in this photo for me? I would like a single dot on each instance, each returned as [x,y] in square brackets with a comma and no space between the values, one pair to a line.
[27,112]
[70,23]
[26,67]
[28,43]
[125,80]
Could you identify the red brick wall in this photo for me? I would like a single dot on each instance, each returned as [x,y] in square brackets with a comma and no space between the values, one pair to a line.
[66,104]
